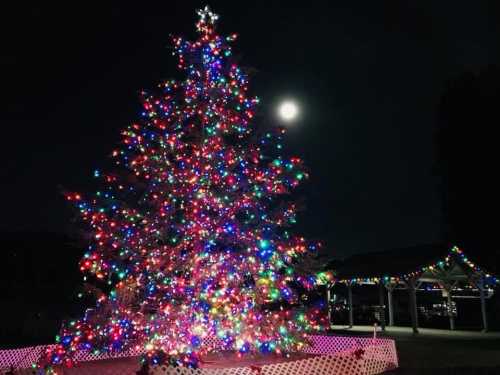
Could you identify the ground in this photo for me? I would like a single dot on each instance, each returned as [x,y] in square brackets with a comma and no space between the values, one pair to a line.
[435,351]
[229,359]
[432,351]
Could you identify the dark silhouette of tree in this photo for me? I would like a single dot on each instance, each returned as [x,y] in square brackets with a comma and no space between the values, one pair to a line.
[467,154]
[34,263]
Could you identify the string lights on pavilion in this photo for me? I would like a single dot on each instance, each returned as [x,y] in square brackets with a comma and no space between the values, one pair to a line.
[455,253]
[191,233]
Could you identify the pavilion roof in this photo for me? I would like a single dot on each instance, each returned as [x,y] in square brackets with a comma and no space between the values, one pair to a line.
[429,263]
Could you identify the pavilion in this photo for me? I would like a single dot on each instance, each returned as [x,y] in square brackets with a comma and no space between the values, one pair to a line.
[449,270]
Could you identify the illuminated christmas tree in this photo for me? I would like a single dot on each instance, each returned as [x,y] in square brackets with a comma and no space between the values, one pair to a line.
[190,234]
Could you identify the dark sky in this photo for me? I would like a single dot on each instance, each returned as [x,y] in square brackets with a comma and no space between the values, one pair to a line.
[368,74]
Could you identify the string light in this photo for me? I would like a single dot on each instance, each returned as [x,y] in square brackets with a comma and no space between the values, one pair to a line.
[454,254]
[193,241]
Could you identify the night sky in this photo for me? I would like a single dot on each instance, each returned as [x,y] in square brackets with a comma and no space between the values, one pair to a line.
[368,75]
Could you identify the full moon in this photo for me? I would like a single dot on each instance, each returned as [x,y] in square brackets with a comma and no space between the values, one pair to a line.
[288,111]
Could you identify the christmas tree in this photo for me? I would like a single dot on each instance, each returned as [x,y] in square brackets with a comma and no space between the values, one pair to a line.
[190,233]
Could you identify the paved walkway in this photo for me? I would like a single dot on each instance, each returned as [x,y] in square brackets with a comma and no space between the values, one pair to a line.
[437,351]
[424,332]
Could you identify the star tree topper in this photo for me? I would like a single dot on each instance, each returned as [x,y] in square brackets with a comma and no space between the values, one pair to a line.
[207,20]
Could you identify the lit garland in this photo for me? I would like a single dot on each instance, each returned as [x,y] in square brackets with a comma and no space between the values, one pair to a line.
[454,253]
[195,241]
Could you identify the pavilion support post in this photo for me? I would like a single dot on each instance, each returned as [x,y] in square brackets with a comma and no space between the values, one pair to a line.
[450,312]
[390,303]
[483,305]
[381,302]
[447,288]
[412,290]
[328,304]
[349,301]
